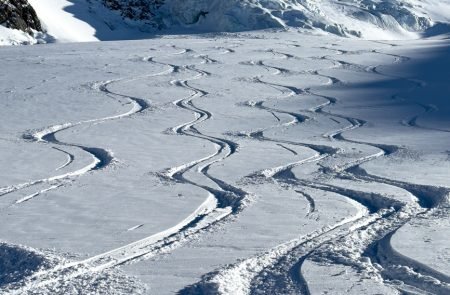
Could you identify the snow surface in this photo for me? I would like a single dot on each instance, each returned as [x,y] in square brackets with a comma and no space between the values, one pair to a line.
[60,23]
[245,163]
[15,37]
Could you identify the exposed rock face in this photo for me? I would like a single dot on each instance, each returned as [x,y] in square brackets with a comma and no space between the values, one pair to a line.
[240,15]
[361,18]
[20,15]
[135,9]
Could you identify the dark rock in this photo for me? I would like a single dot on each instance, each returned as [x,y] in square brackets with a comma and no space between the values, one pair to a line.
[20,15]
[135,9]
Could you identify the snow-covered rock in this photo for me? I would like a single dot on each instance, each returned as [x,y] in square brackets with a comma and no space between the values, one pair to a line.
[357,18]
[19,23]
[92,20]
[19,14]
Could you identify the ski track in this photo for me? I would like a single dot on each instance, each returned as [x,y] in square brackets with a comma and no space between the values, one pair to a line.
[222,201]
[278,271]
[101,158]
[311,202]
[70,158]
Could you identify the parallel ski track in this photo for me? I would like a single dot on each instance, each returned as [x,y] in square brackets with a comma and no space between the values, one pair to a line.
[279,270]
[101,158]
[222,201]
[427,198]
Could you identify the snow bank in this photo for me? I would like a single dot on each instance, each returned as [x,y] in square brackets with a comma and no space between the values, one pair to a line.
[17,37]
[13,37]
[17,262]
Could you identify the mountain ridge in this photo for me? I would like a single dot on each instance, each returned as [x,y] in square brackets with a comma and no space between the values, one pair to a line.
[136,19]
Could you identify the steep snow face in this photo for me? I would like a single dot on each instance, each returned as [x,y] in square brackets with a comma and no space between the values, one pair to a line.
[385,19]
[82,20]
[437,10]
[86,21]
[53,17]
[60,23]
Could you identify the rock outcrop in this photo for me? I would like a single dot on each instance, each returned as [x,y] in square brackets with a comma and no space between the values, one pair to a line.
[19,15]
[333,16]
[135,9]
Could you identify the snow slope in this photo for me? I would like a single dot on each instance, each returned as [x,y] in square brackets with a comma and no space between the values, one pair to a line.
[82,20]
[15,37]
[61,24]
[371,19]
[276,162]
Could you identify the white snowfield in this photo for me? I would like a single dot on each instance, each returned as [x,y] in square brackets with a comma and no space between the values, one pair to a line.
[252,163]
[61,23]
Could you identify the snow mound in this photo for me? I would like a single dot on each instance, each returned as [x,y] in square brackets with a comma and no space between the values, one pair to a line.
[19,266]
[17,263]
[15,37]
